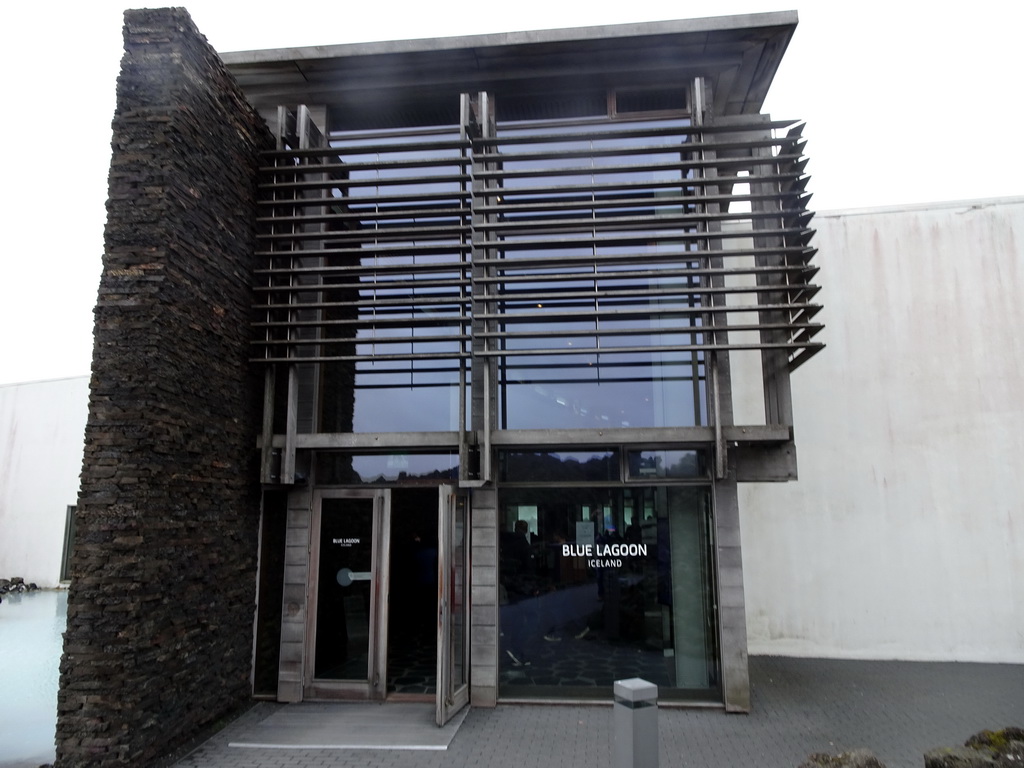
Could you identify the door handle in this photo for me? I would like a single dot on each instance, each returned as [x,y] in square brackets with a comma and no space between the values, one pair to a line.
[346,576]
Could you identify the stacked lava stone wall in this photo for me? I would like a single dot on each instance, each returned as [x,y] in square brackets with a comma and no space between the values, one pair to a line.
[160,612]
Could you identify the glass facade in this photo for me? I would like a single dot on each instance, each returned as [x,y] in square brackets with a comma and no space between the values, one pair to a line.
[565,252]
[579,283]
[601,584]
[598,320]
[401,269]
[524,296]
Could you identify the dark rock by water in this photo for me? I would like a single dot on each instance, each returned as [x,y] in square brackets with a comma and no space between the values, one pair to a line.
[957,757]
[16,584]
[857,758]
[985,749]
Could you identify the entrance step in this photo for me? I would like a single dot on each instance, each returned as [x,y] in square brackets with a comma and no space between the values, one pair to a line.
[321,725]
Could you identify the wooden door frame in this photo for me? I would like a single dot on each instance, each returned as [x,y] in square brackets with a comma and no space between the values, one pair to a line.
[374,687]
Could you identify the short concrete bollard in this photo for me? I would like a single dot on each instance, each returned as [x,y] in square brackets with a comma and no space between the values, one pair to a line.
[635,724]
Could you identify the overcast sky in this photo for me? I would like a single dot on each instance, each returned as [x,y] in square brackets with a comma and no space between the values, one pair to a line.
[903,105]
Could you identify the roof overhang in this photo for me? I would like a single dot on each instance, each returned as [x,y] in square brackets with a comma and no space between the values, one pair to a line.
[739,56]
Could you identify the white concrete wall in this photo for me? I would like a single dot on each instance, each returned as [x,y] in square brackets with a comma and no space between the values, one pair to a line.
[42,430]
[904,537]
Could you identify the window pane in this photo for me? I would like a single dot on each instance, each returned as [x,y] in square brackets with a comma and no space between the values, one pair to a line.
[601,296]
[374,469]
[563,467]
[644,465]
[598,585]
[622,396]
[343,590]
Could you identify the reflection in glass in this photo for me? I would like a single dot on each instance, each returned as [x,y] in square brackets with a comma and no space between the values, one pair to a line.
[602,298]
[392,288]
[600,584]
[563,466]
[343,590]
[459,607]
[338,468]
[677,465]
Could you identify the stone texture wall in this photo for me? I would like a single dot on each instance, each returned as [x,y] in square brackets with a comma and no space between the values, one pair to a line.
[159,636]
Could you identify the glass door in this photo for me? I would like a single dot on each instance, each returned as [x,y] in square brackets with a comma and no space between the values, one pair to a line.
[453,609]
[348,595]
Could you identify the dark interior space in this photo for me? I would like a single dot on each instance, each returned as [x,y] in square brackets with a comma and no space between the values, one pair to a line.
[412,620]
[271,587]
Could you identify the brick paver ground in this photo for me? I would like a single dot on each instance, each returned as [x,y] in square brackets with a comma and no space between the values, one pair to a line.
[899,710]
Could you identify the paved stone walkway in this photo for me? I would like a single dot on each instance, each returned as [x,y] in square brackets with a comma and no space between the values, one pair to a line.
[899,710]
